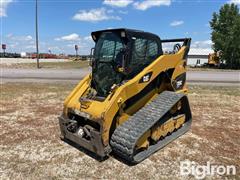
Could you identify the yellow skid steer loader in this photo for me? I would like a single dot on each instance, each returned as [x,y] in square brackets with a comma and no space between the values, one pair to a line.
[134,101]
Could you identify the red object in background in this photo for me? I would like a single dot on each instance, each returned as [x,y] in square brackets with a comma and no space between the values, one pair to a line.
[4,46]
[44,56]
[76,47]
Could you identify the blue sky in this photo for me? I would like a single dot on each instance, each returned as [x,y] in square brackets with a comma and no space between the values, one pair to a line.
[64,23]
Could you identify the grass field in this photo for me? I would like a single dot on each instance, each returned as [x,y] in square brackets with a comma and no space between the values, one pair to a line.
[52,65]
[30,146]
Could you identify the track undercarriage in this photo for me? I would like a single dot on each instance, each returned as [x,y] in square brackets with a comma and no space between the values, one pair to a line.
[151,128]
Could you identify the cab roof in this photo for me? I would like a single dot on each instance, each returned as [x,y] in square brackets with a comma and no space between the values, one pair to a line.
[129,32]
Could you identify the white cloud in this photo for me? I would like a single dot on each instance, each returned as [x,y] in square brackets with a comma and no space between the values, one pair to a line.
[19,38]
[14,45]
[206,44]
[144,5]
[235,2]
[19,43]
[28,38]
[3,7]
[67,44]
[70,37]
[71,45]
[118,3]
[31,47]
[176,23]
[88,38]
[54,48]
[64,44]
[95,15]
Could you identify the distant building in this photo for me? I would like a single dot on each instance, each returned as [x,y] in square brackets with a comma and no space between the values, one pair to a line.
[200,55]
[25,55]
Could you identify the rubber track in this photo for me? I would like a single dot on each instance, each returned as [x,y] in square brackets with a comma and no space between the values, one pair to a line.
[125,137]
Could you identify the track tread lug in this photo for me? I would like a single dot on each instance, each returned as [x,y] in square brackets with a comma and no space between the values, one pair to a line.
[126,135]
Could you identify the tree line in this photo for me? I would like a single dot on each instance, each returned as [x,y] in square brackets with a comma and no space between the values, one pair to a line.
[225,35]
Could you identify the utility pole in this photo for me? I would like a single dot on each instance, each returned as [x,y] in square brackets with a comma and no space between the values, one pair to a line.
[36,21]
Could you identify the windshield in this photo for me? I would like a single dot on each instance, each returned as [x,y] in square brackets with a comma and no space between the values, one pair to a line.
[108,46]
[108,56]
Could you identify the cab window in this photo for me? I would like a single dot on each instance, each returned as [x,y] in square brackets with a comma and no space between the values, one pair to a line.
[107,47]
[152,51]
[144,52]
[139,52]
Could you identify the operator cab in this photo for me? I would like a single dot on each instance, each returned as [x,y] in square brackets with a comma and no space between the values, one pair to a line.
[119,55]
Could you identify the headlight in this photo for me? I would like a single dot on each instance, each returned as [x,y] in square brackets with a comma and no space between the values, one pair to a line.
[82,114]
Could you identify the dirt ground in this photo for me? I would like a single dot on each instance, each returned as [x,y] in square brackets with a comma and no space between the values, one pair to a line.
[189,68]
[30,147]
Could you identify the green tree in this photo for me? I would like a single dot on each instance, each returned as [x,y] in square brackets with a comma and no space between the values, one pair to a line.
[226,34]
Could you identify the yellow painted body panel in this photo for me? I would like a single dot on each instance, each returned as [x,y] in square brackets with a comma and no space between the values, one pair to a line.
[167,127]
[104,112]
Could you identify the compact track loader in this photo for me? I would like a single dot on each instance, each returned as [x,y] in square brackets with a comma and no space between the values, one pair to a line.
[134,102]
